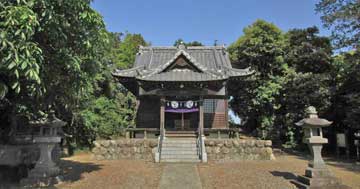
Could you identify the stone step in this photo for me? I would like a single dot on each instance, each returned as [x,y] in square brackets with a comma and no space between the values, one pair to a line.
[180,160]
[179,148]
[170,141]
[175,152]
[179,156]
[317,181]
[299,184]
[182,135]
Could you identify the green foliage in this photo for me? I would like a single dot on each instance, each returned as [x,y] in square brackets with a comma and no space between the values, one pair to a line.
[192,43]
[123,52]
[107,118]
[342,16]
[307,51]
[291,73]
[261,48]
[109,108]
[22,56]
[346,76]
[53,50]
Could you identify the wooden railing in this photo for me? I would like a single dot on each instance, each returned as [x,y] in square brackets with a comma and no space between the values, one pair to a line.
[131,132]
[231,132]
[201,146]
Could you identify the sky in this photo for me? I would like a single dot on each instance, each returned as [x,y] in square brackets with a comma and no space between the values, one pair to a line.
[161,22]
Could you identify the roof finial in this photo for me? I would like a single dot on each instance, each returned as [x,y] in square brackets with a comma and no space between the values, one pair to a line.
[182,45]
[311,111]
[215,42]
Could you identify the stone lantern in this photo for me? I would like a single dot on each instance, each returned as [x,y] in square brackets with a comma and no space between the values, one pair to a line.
[45,136]
[317,175]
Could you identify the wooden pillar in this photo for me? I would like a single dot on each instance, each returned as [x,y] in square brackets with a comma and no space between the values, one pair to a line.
[182,121]
[226,113]
[201,116]
[162,115]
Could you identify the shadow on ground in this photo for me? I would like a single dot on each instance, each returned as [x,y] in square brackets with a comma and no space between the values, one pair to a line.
[285,175]
[343,163]
[72,170]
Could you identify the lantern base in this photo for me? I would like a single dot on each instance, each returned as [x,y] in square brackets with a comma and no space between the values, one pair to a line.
[318,178]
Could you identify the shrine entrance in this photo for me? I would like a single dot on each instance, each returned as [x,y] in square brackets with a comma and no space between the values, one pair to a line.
[181,121]
[181,114]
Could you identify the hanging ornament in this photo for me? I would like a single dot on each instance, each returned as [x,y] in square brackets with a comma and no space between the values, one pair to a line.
[189,104]
[174,104]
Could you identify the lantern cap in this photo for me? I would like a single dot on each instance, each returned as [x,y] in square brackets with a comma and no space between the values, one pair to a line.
[50,121]
[313,120]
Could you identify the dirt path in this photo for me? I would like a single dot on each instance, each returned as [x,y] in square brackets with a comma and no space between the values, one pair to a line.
[179,176]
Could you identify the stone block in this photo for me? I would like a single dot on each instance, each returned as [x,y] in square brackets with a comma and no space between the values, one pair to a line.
[259,143]
[211,143]
[208,149]
[217,150]
[268,143]
[236,143]
[153,143]
[242,143]
[112,143]
[225,150]
[105,143]
[228,143]
[97,144]
[219,143]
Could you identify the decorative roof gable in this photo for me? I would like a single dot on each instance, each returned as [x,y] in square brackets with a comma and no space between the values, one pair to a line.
[189,61]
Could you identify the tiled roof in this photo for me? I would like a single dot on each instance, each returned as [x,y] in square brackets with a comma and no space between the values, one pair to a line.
[213,63]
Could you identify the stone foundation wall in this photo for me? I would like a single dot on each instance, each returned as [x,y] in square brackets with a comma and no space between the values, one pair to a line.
[238,149]
[217,149]
[125,149]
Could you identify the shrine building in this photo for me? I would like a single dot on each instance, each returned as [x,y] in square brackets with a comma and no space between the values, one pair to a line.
[181,88]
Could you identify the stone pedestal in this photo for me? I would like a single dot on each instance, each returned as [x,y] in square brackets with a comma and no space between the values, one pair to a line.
[317,175]
[45,171]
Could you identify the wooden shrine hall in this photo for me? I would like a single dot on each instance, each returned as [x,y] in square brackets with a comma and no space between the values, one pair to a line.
[181,88]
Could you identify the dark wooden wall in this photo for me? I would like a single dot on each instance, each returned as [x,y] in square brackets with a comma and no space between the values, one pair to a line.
[148,114]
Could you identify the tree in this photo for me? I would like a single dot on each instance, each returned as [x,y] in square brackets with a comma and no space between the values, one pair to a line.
[192,43]
[124,57]
[21,56]
[346,101]
[292,72]
[53,50]
[342,16]
[261,48]
[308,52]
[110,108]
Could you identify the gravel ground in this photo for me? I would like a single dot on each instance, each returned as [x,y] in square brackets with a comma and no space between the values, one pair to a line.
[82,172]
[269,174]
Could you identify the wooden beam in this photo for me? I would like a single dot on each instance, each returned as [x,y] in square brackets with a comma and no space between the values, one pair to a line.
[201,116]
[221,93]
[162,114]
